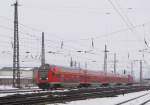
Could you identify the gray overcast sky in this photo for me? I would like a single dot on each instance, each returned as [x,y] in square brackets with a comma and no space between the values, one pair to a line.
[121,24]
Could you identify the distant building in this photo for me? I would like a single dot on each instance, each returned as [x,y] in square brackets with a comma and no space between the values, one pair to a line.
[26,76]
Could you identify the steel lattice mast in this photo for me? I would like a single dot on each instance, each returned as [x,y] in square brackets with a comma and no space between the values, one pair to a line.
[115,61]
[43,51]
[16,66]
[105,59]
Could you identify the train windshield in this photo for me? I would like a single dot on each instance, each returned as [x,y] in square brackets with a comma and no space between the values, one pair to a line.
[43,72]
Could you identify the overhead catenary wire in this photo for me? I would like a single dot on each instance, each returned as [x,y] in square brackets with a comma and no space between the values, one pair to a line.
[84,39]
[114,7]
[54,41]
[124,17]
[104,35]
[34,36]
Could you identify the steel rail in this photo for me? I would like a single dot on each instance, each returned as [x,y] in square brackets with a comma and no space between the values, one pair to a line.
[58,97]
[126,101]
[145,102]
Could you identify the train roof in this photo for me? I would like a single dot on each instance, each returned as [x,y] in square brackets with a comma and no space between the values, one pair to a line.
[68,68]
[72,69]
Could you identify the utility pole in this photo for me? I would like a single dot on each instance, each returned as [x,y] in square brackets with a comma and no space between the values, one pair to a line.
[78,64]
[71,62]
[115,63]
[16,66]
[75,64]
[141,73]
[105,59]
[43,50]
[132,69]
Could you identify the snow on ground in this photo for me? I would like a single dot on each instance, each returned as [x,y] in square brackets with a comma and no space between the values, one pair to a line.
[112,100]
[3,95]
[9,87]
[6,90]
[97,101]
[5,87]
[148,103]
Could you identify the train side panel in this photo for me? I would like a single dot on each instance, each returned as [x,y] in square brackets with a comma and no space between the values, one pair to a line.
[64,77]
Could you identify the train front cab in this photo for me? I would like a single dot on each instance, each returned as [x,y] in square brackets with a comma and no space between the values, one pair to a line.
[42,76]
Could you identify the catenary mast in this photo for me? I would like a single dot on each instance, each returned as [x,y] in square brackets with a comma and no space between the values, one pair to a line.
[43,51]
[16,66]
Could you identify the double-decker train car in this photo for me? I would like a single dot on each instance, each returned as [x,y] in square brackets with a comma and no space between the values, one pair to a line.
[52,76]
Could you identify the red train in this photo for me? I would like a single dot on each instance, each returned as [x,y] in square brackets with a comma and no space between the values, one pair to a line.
[52,76]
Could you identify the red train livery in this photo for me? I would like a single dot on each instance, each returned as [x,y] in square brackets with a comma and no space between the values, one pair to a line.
[52,76]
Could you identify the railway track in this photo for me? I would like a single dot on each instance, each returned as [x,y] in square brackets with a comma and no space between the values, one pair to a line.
[65,96]
[132,99]
[144,103]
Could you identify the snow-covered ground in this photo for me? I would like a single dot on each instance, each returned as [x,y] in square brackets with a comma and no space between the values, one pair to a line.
[9,87]
[9,90]
[112,100]
[6,87]
[97,101]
